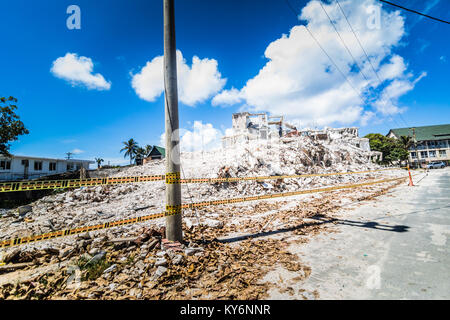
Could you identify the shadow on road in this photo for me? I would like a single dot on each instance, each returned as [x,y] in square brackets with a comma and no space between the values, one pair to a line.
[320,221]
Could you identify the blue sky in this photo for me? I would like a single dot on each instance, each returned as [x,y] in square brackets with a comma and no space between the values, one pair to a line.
[240,48]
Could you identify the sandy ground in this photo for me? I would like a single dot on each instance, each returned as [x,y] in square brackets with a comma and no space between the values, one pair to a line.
[392,248]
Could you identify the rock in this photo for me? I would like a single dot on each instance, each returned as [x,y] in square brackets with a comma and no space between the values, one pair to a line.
[51,250]
[161,262]
[66,252]
[135,292]
[160,271]
[85,236]
[13,256]
[189,223]
[94,251]
[178,259]
[86,256]
[212,223]
[112,286]
[110,269]
[140,265]
[97,257]
[192,251]
[23,210]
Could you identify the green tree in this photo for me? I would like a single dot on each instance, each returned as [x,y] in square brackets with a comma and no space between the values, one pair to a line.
[407,141]
[10,125]
[148,148]
[392,149]
[130,149]
[99,162]
[140,153]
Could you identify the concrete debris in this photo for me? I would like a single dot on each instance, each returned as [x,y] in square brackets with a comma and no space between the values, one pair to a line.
[138,262]
[159,272]
[23,210]
[204,269]
[161,262]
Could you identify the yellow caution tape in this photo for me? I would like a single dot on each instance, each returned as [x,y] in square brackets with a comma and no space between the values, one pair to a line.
[171,210]
[172,178]
[75,183]
[169,178]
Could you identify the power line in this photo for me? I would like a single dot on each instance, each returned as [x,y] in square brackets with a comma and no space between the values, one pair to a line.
[329,57]
[342,40]
[350,53]
[326,53]
[367,56]
[413,11]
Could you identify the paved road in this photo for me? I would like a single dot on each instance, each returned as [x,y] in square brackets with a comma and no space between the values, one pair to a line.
[394,248]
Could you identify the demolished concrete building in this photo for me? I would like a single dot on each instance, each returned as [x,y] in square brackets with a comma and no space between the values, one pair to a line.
[260,126]
[256,126]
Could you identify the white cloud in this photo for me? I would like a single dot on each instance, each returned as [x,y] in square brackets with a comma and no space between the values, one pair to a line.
[79,71]
[199,137]
[195,84]
[443,59]
[392,92]
[227,98]
[77,151]
[366,117]
[300,82]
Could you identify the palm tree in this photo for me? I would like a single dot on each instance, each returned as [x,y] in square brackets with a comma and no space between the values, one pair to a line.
[99,162]
[130,149]
[140,154]
[148,148]
[407,142]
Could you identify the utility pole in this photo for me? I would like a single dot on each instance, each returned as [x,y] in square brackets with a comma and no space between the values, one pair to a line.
[415,147]
[173,186]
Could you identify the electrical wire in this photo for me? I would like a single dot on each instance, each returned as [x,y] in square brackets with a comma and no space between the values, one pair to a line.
[332,61]
[413,11]
[367,56]
[343,42]
[326,53]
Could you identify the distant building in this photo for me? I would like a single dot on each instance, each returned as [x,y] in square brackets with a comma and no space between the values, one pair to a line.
[24,167]
[155,154]
[432,143]
[261,126]
[256,126]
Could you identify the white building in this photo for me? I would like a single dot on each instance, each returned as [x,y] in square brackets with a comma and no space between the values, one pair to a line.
[24,167]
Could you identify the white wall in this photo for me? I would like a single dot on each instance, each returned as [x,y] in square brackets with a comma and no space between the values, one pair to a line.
[17,168]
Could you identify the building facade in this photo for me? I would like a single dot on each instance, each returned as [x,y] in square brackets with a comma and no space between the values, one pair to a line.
[157,153]
[24,167]
[432,143]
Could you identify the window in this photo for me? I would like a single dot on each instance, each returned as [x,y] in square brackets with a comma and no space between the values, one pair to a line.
[414,155]
[431,144]
[38,166]
[52,166]
[441,144]
[5,165]
[442,153]
[421,146]
[70,166]
[423,154]
[432,154]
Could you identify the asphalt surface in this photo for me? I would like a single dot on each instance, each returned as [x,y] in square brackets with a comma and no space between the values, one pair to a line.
[393,248]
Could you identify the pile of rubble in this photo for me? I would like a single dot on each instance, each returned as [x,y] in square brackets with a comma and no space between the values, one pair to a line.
[140,264]
[129,262]
[93,205]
